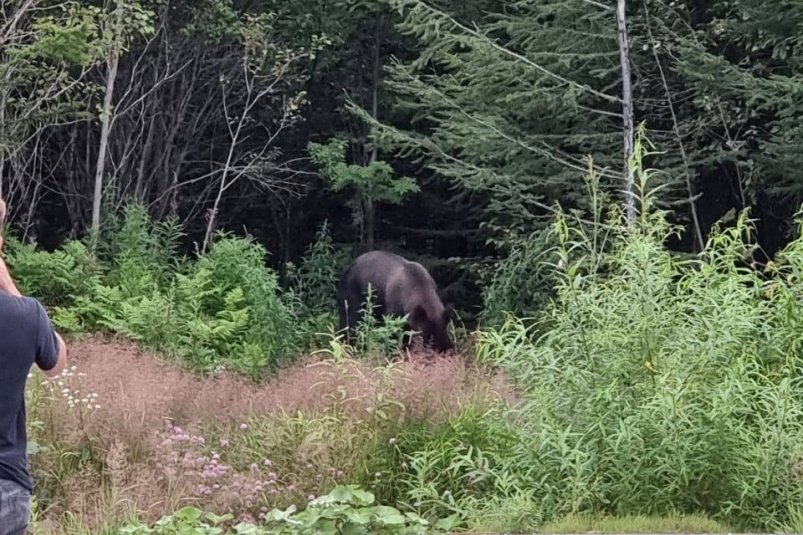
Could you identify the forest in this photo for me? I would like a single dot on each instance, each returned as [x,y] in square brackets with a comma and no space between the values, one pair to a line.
[605,190]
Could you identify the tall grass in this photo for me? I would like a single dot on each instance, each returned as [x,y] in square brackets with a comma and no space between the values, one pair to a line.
[657,384]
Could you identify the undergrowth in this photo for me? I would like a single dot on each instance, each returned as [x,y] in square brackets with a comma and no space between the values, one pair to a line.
[657,384]
[222,308]
[354,424]
[659,390]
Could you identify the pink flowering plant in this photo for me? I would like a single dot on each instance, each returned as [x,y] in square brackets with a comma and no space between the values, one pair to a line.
[211,480]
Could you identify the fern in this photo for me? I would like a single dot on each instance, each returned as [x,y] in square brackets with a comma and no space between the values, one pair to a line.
[56,278]
[223,308]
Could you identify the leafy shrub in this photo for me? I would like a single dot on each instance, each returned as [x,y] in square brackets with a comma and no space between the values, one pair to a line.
[521,283]
[223,307]
[250,295]
[447,471]
[657,384]
[57,279]
[346,509]
[315,279]
[148,319]
[312,288]
[226,308]
[376,336]
[141,254]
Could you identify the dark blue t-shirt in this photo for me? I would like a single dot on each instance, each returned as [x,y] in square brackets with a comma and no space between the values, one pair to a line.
[26,337]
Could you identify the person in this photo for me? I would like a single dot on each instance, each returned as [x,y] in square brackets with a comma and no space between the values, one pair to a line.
[27,336]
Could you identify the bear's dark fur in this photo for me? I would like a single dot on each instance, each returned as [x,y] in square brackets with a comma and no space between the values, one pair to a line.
[399,287]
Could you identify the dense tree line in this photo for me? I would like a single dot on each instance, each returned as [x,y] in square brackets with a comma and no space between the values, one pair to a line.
[450,130]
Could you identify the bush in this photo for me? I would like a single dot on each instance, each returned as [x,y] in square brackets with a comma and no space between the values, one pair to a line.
[521,283]
[57,279]
[315,279]
[448,471]
[659,385]
[231,286]
[141,254]
[224,307]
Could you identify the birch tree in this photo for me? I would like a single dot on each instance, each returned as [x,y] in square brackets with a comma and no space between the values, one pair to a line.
[46,50]
[126,19]
[627,110]
[270,102]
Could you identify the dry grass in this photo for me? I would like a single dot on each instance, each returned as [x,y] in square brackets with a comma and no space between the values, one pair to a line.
[153,437]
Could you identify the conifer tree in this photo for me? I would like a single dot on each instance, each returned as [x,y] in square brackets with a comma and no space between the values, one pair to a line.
[510,105]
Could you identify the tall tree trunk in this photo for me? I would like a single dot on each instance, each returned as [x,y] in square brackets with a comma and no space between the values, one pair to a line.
[698,231]
[106,120]
[370,213]
[627,110]
[212,222]
[370,208]
[3,103]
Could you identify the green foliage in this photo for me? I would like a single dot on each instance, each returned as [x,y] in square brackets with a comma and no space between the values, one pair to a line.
[662,384]
[185,521]
[216,19]
[749,92]
[374,181]
[235,263]
[312,287]
[521,283]
[48,51]
[142,253]
[377,336]
[68,37]
[450,471]
[224,307]
[57,279]
[470,116]
[346,509]
[315,278]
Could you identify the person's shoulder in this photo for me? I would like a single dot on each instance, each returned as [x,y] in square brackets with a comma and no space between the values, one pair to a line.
[20,307]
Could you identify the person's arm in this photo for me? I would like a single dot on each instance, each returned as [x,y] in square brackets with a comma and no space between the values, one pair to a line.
[6,282]
[51,351]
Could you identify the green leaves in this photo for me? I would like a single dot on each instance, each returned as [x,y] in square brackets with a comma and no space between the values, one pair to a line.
[506,104]
[375,181]
[658,383]
[344,511]
[222,307]
[185,521]
[67,38]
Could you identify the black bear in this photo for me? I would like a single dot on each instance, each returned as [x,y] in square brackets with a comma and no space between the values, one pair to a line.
[399,288]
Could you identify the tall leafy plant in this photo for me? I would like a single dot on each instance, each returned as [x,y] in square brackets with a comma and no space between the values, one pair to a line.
[662,384]
[368,184]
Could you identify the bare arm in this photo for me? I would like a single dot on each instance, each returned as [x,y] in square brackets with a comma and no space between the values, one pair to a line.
[61,363]
[6,282]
